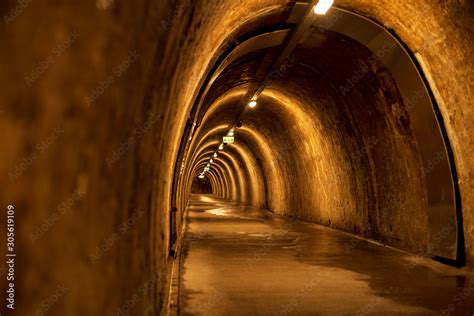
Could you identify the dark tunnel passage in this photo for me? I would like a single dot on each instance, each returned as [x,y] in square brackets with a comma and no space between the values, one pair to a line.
[323,148]
[203,186]
[254,158]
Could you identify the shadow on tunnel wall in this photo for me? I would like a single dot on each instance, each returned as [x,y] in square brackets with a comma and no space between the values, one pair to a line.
[96,95]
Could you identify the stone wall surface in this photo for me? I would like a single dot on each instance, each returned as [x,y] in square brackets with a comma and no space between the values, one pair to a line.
[94,100]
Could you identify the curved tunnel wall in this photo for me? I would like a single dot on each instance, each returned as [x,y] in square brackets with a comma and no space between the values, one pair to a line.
[246,178]
[177,42]
[336,116]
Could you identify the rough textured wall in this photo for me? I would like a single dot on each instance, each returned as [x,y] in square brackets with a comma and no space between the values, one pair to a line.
[348,161]
[68,114]
[390,183]
[93,134]
[441,34]
[78,117]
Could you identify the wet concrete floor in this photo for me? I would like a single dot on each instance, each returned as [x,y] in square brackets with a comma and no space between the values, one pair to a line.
[238,260]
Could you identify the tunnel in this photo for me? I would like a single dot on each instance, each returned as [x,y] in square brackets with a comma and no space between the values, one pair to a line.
[258,157]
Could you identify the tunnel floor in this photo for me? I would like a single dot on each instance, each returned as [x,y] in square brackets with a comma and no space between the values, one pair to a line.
[238,260]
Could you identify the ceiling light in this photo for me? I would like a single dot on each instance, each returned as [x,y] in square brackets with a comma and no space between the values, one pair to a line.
[252,104]
[221,146]
[215,155]
[231,133]
[323,6]
[210,161]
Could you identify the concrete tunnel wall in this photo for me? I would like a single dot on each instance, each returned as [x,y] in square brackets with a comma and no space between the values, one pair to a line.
[343,158]
[88,112]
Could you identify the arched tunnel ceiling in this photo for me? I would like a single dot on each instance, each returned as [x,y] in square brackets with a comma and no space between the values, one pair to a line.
[180,45]
[332,139]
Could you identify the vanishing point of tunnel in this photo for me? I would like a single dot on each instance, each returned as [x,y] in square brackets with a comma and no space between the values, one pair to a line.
[255,157]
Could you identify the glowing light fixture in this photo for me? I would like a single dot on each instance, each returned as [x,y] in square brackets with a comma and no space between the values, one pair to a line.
[323,6]
[252,104]
[231,133]
[201,176]
[221,146]
[215,155]
[210,161]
